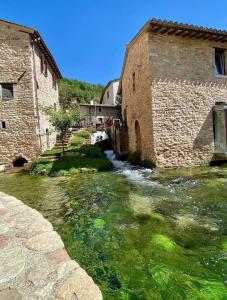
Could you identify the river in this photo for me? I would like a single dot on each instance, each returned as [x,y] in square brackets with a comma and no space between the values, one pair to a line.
[141,234]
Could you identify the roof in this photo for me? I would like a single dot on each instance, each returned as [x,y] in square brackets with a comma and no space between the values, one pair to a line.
[106,87]
[36,37]
[183,30]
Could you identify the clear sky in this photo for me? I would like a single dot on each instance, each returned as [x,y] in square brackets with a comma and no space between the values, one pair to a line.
[88,37]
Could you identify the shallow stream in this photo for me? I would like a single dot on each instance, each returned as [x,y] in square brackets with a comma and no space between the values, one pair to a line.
[141,234]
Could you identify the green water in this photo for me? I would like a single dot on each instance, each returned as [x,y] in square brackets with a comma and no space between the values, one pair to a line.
[162,240]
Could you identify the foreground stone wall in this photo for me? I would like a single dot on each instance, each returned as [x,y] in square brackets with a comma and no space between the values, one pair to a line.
[184,90]
[34,263]
[136,104]
[19,136]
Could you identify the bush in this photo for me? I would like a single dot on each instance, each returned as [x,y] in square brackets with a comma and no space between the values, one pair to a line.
[91,151]
[84,133]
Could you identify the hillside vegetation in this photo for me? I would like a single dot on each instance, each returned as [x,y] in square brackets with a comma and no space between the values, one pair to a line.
[72,90]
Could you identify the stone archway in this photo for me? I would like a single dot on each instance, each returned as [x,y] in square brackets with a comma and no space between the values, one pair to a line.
[19,161]
[138,138]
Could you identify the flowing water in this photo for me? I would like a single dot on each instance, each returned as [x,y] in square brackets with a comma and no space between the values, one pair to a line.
[141,234]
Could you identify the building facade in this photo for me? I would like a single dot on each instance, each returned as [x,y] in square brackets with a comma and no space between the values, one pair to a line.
[109,95]
[28,82]
[99,114]
[173,77]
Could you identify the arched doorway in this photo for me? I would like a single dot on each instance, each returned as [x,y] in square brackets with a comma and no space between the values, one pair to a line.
[19,161]
[138,138]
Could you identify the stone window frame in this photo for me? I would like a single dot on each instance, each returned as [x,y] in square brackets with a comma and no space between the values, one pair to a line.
[3,125]
[134,81]
[45,68]
[14,92]
[54,81]
[225,62]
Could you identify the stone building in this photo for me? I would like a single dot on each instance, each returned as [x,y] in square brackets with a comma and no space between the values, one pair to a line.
[106,111]
[99,114]
[28,81]
[109,95]
[174,88]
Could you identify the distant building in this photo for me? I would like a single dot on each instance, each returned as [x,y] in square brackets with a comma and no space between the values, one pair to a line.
[99,114]
[106,111]
[174,94]
[109,95]
[28,81]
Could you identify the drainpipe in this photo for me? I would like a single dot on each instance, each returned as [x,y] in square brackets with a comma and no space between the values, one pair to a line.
[36,96]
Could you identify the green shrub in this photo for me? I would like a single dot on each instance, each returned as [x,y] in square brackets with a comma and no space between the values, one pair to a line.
[91,151]
[84,133]
[77,140]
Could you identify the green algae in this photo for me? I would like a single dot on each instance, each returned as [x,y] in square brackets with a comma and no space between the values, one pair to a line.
[139,242]
[163,242]
[99,223]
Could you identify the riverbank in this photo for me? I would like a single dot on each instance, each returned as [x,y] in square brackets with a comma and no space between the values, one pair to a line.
[34,263]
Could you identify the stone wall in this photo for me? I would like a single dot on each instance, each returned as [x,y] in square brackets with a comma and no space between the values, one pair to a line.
[20,65]
[47,95]
[184,90]
[136,105]
[19,136]
[34,263]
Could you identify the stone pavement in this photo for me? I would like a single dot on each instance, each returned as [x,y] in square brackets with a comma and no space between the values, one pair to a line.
[33,262]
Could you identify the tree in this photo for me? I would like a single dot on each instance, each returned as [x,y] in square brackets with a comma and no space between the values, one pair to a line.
[64,120]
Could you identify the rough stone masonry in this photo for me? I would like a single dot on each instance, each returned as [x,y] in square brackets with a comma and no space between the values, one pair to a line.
[28,76]
[33,262]
[169,87]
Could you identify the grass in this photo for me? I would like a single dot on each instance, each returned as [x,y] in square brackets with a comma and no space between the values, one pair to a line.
[69,165]
[81,136]
[93,160]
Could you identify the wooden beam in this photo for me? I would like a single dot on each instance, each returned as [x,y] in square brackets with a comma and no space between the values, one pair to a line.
[171,31]
[220,38]
[186,33]
[199,35]
[179,32]
[164,30]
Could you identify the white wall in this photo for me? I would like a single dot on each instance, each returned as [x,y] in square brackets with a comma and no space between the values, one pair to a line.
[112,89]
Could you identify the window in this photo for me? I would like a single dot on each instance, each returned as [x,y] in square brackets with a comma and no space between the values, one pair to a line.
[3,124]
[134,82]
[219,62]
[41,64]
[54,82]
[45,68]
[108,95]
[7,91]
[100,109]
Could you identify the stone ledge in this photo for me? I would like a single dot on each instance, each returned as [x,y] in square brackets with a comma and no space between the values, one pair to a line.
[34,263]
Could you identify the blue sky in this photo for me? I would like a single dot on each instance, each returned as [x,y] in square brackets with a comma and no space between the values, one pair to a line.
[88,37]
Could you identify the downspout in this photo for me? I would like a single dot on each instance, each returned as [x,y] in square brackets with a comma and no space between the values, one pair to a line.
[36,96]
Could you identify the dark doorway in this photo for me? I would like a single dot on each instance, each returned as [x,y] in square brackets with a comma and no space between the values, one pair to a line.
[47,138]
[138,138]
[19,162]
